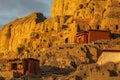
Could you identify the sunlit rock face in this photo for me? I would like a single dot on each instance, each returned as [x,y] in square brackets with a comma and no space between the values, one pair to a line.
[18,32]
[34,34]
[100,14]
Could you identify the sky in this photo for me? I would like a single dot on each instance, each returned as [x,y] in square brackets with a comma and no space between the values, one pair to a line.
[12,9]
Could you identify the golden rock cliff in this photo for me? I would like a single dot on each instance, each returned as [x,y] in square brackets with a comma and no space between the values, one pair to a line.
[95,14]
[18,32]
[34,34]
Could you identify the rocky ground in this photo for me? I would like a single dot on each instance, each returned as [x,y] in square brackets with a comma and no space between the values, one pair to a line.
[74,62]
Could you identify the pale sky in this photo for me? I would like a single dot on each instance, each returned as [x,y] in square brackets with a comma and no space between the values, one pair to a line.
[12,9]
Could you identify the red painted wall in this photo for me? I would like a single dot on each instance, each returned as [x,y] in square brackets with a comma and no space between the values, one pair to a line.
[98,35]
[82,38]
[33,67]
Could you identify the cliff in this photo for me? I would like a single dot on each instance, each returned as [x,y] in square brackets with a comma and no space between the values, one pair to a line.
[98,14]
[18,31]
[35,32]
[52,40]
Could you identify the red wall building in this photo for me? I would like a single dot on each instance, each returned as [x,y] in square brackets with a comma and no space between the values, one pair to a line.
[25,66]
[31,65]
[81,37]
[92,35]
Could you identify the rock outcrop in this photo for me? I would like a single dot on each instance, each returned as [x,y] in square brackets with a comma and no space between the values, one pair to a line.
[98,14]
[52,40]
[68,18]
[18,32]
[35,32]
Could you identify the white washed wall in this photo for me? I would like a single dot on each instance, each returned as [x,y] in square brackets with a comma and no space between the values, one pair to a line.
[109,57]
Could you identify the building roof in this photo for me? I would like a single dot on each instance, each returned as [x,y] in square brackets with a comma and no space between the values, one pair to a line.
[99,30]
[107,51]
[18,59]
[86,32]
[81,33]
[31,59]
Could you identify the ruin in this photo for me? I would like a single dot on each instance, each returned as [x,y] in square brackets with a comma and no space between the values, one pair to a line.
[25,66]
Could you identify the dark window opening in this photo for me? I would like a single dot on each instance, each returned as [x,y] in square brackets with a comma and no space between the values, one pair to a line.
[116,27]
[98,27]
[78,28]
[113,73]
[66,40]
[14,66]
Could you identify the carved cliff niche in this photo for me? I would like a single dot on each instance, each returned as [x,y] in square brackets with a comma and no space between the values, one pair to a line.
[116,27]
[66,40]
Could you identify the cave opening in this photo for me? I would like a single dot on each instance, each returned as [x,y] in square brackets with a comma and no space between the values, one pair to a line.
[116,27]
[66,40]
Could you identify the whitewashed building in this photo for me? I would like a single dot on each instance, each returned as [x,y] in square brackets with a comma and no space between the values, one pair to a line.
[106,56]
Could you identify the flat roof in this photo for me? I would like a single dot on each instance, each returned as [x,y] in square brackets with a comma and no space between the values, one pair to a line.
[18,59]
[31,59]
[99,30]
[107,51]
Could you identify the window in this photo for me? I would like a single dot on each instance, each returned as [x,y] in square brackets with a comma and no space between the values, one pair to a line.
[98,27]
[116,27]
[14,66]
[78,28]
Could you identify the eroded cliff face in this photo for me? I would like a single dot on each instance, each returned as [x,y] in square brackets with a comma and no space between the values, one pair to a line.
[98,14]
[18,32]
[33,35]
